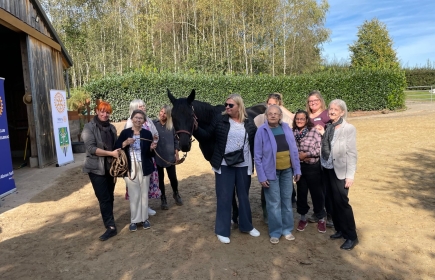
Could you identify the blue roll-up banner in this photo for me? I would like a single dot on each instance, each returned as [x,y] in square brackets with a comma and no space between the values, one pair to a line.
[7,182]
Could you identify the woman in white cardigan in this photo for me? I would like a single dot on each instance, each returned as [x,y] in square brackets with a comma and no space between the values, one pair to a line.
[338,159]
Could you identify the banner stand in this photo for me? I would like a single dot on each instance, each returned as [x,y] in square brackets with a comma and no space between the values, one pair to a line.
[7,182]
[57,164]
[61,127]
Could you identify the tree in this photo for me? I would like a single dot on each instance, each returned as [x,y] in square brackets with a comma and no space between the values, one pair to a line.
[279,37]
[374,47]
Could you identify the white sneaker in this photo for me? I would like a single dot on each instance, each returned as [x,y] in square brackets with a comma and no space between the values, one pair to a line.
[254,232]
[151,212]
[223,239]
[289,237]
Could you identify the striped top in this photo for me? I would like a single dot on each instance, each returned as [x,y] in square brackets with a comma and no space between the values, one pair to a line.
[283,160]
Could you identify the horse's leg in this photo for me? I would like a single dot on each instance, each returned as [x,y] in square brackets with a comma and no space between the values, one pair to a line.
[235,208]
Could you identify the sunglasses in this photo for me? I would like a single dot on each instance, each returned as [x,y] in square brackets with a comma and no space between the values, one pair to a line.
[228,105]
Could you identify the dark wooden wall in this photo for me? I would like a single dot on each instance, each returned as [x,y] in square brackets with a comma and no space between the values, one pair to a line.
[11,70]
[26,12]
[46,73]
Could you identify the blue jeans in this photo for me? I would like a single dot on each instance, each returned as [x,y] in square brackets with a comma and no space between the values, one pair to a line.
[229,178]
[278,203]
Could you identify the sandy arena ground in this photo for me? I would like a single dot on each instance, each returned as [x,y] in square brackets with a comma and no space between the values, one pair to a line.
[55,234]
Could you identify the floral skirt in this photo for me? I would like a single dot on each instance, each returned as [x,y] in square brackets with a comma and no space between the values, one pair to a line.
[154,190]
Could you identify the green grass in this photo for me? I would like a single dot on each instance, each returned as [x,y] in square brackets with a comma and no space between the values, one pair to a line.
[419,95]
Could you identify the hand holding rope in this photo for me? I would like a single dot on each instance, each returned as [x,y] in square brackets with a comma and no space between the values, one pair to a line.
[119,167]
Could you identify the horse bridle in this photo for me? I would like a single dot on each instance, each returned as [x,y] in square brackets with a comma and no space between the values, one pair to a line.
[190,133]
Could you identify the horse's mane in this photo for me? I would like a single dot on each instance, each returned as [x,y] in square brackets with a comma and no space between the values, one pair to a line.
[205,112]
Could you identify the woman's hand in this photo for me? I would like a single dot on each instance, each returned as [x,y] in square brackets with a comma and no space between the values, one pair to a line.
[296,178]
[127,142]
[349,183]
[320,129]
[302,155]
[153,146]
[115,153]
[177,157]
[265,184]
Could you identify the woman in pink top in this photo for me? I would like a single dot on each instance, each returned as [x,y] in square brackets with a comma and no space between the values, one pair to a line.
[316,108]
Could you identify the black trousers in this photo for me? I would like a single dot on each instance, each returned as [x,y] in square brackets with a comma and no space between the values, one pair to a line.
[104,186]
[342,214]
[172,175]
[311,180]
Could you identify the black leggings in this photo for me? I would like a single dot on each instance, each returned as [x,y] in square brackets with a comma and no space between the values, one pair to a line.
[172,175]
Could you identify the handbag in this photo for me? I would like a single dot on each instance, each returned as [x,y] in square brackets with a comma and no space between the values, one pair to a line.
[235,157]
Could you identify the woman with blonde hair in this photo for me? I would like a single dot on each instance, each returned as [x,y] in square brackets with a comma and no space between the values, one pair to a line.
[275,99]
[233,134]
[168,153]
[318,113]
[316,108]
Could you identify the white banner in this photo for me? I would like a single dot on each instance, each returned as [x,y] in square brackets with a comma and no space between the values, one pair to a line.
[62,137]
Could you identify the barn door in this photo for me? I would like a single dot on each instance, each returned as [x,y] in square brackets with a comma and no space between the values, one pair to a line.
[42,79]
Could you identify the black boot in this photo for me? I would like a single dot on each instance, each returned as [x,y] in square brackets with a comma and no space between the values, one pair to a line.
[177,198]
[164,205]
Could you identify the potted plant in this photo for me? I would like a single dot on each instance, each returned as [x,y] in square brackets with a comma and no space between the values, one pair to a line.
[79,103]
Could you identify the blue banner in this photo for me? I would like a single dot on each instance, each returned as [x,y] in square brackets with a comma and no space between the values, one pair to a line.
[7,183]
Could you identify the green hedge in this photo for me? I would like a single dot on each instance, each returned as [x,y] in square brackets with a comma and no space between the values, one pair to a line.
[361,89]
[420,77]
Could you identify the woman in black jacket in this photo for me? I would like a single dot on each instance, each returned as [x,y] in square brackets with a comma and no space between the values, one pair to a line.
[231,131]
[139,155]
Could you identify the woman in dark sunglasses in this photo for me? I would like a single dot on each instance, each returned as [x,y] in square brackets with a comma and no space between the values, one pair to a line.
[233,132]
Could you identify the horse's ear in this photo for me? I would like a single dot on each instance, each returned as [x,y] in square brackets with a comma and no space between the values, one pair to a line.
[171,97]
[191,97]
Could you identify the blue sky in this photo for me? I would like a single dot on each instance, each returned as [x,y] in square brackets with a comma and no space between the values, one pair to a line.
[411,26]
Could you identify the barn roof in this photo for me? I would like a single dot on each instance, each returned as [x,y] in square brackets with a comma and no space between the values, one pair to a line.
[9,17]
[53,31]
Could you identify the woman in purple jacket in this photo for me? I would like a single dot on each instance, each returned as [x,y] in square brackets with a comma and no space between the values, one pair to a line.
[277,164]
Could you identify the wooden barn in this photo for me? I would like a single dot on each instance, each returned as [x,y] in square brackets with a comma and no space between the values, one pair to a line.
[32,61]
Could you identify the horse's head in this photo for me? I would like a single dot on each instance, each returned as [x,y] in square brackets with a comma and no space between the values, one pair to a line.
[183,118]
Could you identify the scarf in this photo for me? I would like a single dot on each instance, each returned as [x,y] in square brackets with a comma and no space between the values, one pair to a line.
[327,138]
[301,134]
[106,136]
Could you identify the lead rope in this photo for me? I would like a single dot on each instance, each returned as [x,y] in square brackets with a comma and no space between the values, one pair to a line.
[119,165]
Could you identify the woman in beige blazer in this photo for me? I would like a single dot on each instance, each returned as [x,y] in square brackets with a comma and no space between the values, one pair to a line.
[338,159]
